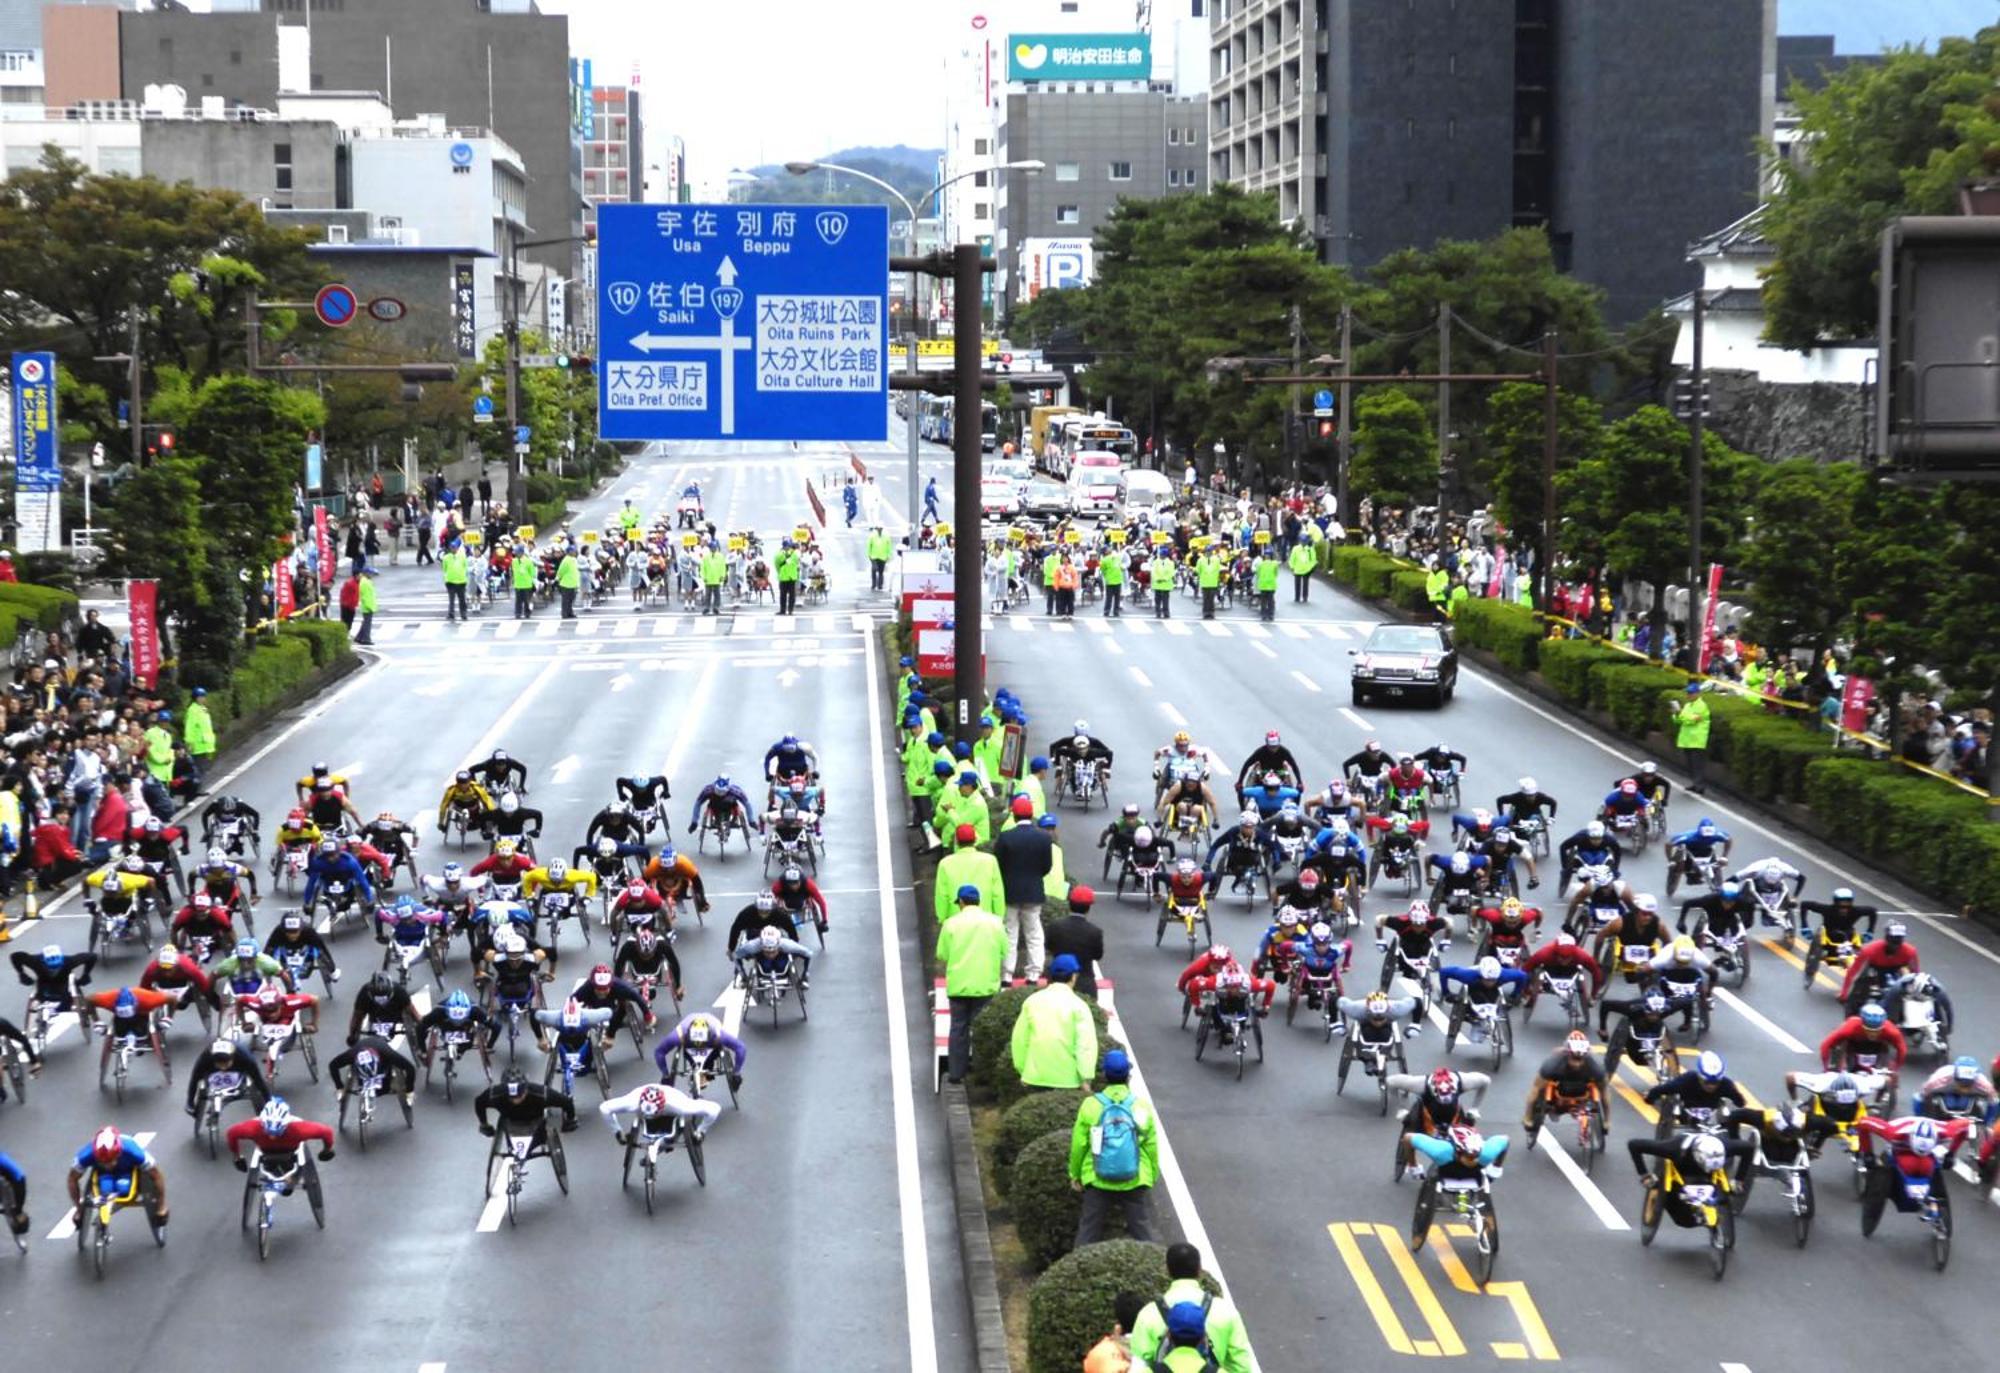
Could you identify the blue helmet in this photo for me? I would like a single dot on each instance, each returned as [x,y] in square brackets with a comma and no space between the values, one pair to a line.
[1873,1016]
[1709,1067]
[405,904]
[127,1002]
[246,948]
[1965,1069]
[1731,890]
[275,1117]
[458,1005]
[52,956]
[789,741]
[1705,827]
[641,781]
[1923,1136]
[668,855]
[722,781]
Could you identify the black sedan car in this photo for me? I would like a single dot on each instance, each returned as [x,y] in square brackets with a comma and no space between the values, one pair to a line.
[1405,662]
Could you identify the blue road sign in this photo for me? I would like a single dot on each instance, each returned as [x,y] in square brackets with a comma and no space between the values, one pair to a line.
[336,305]
[482,404]
[743,322]
[37,466]
[1322,400]
[520,433]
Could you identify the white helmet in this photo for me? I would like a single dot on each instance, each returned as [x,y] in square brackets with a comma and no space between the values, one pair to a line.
[1528,787]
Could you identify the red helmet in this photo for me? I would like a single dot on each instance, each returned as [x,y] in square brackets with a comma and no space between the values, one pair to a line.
[106,1145]
[636,888]
[1308,879]
[1629,787]
[1444,1085]
[296,818]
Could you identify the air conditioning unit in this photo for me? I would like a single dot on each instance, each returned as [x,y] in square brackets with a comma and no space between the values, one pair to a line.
[336,233]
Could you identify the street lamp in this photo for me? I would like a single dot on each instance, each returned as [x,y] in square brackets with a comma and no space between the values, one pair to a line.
[1029,165]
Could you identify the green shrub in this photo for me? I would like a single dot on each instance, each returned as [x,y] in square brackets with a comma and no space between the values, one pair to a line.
[10,624]
[1042,1204]
[1027,1120]
[1407,589]
[1512,633]
[1344,561]
[327,640]
[1566,665]
[544,487]
[1767,754]
[48,607]
[1373,571]
[1070,1305]
[267,674]
[547,517]
[1633,691]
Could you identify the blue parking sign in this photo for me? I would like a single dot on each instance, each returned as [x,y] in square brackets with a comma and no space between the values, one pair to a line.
[765,322]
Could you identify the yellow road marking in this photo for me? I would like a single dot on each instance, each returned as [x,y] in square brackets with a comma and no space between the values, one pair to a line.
[1372,1294]
[1821,976]
[1515,1294]
[1446,1335]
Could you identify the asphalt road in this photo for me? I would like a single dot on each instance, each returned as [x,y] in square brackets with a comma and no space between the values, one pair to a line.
[830,1167]
[1279,1169]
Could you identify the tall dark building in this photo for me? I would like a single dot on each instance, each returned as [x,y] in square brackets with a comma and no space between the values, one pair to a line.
[498,64]
[1627,128]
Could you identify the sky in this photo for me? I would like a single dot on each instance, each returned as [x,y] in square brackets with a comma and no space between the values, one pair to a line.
[1865,26]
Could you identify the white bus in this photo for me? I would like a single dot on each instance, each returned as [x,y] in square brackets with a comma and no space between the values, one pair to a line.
[936,421]
[1074,434]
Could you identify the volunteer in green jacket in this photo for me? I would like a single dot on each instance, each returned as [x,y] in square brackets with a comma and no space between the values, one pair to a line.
[963,805]
[1160,573]
[986,750]
[160,748]
[1301,560]
[787,571]
[368,602]
[1050,562]
[714,572]
[569,578]
[456,577]
[1111,570]
[1436,586]
[972,946]
[968,865]
[1055,1040]
[879,549]
[1208,576]
[1055,886]
[523,568]
[199,731]
[1691,721]
[1264,572]
[1456,597]
[1185,1317]
[1114,1155]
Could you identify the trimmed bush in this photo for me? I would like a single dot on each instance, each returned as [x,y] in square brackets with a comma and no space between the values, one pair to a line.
[1512,633]
[1344,561]
[1069,1307]
[1566,665]
[45,605]
[1407,589]
[1767,754]
[1633,692]
[547,515]
[1027,1120]
[327,640]
[1042,1204]
[1373,571]
[10,624]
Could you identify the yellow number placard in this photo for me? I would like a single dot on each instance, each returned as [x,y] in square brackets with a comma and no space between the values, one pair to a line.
[690,539]
[943,531]
[1162,539]
[1117,537]
[1261,537]
[590,536]
[737,543]
[474,538]
[1072,536]
[1016,534]
[525,531]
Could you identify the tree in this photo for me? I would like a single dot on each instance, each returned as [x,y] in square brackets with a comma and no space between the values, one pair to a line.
[247,437]
[1395,453]
[1882,140]
[1801,516]
[1513,433]
[156,530]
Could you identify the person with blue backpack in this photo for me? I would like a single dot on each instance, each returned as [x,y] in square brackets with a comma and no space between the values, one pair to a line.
[1114,1155]
[1187,1327]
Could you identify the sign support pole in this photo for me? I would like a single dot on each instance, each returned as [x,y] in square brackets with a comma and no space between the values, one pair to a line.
[968,614]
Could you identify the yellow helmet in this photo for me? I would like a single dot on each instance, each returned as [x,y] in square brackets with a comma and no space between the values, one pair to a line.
[1683,950]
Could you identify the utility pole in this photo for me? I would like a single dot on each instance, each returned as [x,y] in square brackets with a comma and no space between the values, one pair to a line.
[1547,557]
[1444,414]
[1345,422]
[1697,402]
[1294,444]
[517,475]
[968,680]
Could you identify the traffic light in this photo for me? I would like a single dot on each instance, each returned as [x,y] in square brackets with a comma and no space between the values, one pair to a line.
[167,442]
[1326,429]
[574,362]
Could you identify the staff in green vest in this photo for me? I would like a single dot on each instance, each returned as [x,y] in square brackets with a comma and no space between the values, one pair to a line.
[714,572]
[1050,562]
[879,549]
[455,576]
[787,572]
[1301,560]
[569,577]
[1265,570]
[199,733]
[1208,576]
[1436,586]
[1160,573]
[523,568]
[1111,567]
[160,748]
[366,603]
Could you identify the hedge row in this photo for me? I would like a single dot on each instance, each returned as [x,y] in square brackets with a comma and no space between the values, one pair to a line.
[1509,631]
[1410,590]
[1371,573]
[1937,834]
[1566,665]
[1028,1120]
[45,605]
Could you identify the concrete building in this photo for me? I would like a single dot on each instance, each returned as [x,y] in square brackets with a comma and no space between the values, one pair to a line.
[614,152]
[25,40]
[80,51]
[485,64]
[1627,128]
[1100,145]
[357,248]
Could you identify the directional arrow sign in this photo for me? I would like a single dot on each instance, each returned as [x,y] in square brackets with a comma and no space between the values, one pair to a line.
[743,322]
[787,677]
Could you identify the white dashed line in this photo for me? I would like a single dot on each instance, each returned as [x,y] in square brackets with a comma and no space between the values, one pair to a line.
[1308,683]
[1139,676]
[1178,720]
[1354,719]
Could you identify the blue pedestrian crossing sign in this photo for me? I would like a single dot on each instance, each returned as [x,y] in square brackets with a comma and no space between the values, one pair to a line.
[1322,402]
[763,322]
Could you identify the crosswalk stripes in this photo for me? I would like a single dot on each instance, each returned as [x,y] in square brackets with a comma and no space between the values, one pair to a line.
[1293,631]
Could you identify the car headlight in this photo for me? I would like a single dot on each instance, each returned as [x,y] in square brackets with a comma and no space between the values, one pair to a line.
[1427,674]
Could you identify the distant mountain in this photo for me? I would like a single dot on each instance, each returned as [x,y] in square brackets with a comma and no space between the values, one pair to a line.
[912,171]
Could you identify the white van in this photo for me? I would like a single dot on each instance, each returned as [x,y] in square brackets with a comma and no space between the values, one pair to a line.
[1146,489]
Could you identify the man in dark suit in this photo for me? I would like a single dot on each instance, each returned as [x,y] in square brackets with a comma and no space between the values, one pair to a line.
[1077,934]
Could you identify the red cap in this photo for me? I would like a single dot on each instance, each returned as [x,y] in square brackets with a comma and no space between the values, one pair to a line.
[1024,807]
[966,834]
[1080,897]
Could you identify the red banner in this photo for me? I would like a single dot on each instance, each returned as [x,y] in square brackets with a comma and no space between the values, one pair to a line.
[281,589]
[142,603]
[1708,617]
[324,538]
[1857,702]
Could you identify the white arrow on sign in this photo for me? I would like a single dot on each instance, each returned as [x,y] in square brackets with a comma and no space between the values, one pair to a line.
[787,677]
[621,681]
[725,271]
[566,769]
[726,300]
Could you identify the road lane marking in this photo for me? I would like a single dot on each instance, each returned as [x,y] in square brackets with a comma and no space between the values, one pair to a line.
[909,1184]
[1444,1335]
[690,721]
[1264,649]
[1760,1020]
[1821,976]
[1139,676]
[1593,1196]
[489,740]
[1515,1294]
[1291,631]
[1308,683]
[1354,719]
[1178,720]
[66,1227]
[1372,1295]
[1113,646]
[430,1368]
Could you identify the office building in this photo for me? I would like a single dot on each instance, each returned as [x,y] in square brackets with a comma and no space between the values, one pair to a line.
[480,64]
[614,154]
[1626,128]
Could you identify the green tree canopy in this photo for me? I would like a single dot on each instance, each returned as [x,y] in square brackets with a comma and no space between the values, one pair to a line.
[1515,420]
[1801,518]
[1882,140]
[1395,452]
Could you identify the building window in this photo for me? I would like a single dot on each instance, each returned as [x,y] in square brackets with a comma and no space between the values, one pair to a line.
[281,152]
[1187,137]
[979,178]
[1069,214]
[236,57]
[1069,6]
[1068,171]
[1173,176]
[207,80]
[979,147]
[283,179]
[981,210]
[1121,171]
[1173,137]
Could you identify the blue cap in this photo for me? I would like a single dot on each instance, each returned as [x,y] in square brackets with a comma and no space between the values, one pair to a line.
[962,749]
[1186,1322]
[1048,821]
[1064,965]
[918,697]
[912,720]
[1693,686]
[968,892]
[906,662]
[1038,763]
[200,692]
[966,779]
[934,738]
[941,768]
[1117,1066]
[166,717]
